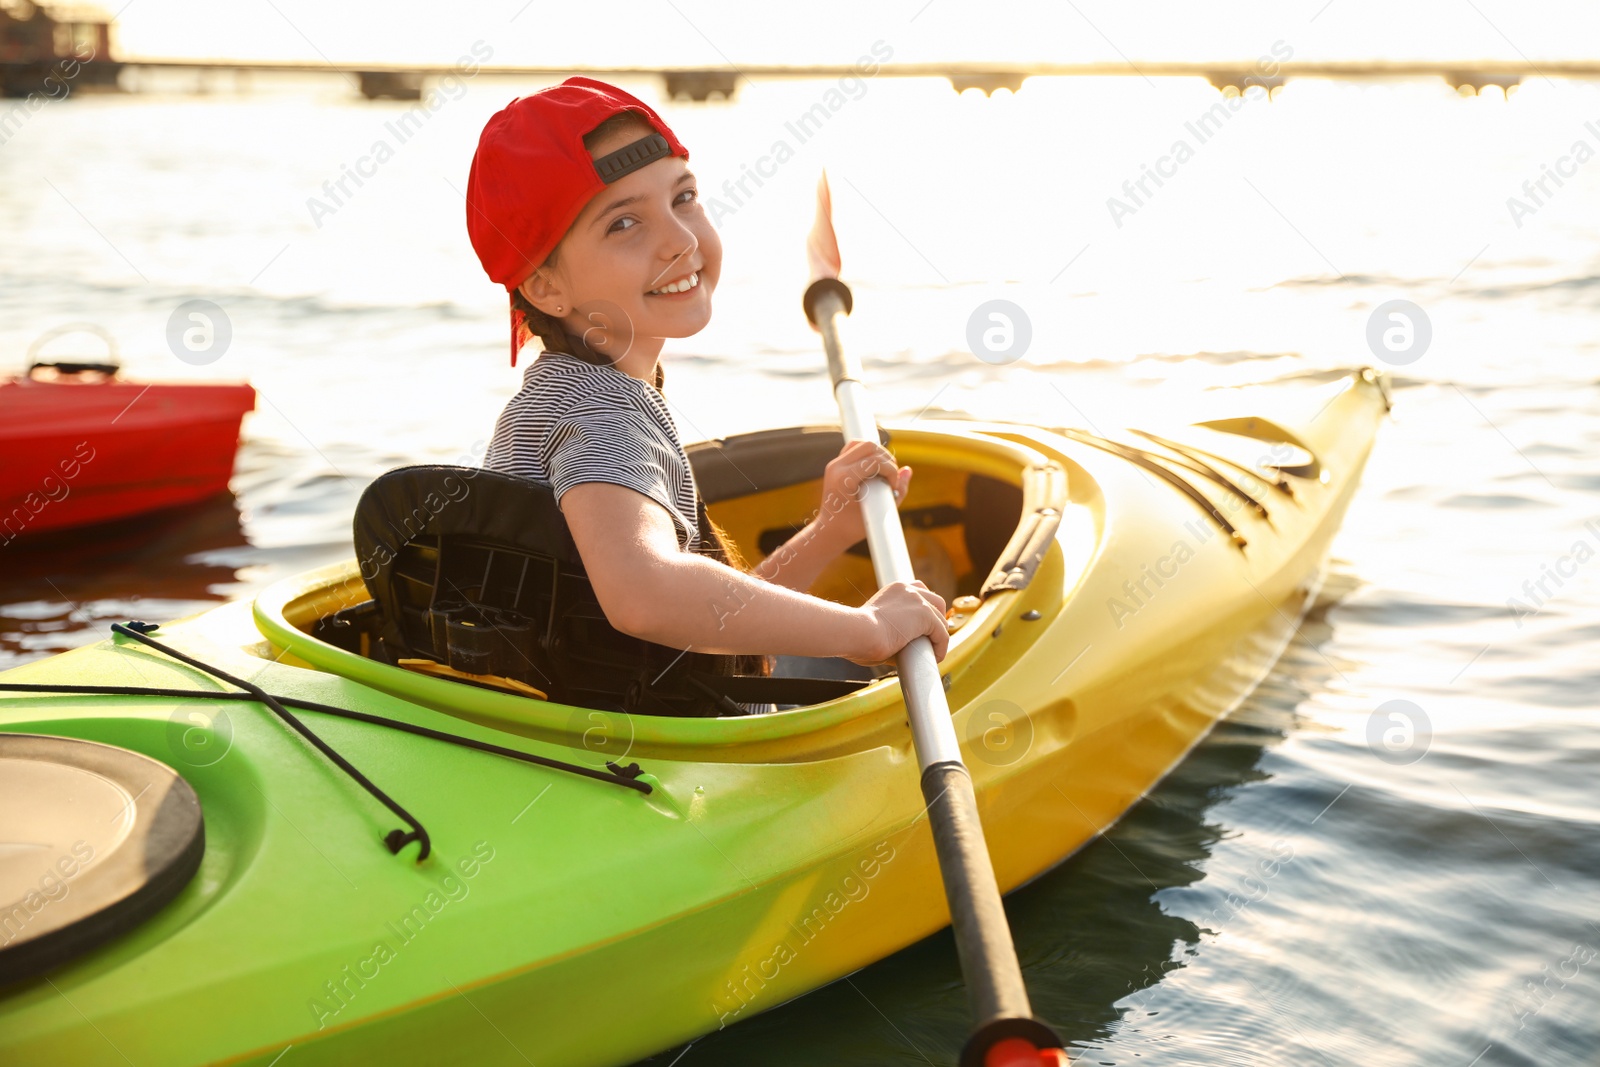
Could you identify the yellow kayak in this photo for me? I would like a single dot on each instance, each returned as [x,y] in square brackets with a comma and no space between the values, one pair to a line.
[1113,595]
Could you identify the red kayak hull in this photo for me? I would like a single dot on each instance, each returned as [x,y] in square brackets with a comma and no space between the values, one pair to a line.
[77,453]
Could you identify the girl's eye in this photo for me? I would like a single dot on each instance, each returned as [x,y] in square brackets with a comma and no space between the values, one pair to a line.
[691,192]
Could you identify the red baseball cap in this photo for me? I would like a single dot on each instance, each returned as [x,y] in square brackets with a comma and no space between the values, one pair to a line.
[531,175]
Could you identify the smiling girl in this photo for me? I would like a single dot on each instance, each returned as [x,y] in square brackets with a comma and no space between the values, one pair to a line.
[581,203]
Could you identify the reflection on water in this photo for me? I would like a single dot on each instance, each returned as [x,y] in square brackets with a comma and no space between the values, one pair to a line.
[68,588]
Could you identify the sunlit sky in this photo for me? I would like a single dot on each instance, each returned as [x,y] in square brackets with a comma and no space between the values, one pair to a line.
[721,32]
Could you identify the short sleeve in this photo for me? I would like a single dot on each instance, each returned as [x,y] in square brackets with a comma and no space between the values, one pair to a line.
[610,446]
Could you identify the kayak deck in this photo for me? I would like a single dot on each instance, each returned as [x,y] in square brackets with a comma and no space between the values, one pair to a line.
[591,924]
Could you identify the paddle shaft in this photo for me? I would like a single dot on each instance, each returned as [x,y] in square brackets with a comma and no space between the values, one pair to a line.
[983,938]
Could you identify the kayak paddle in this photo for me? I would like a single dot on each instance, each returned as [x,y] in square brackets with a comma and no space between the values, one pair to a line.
[1005,1033]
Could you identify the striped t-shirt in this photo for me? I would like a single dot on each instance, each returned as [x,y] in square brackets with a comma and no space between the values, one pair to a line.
[574,421]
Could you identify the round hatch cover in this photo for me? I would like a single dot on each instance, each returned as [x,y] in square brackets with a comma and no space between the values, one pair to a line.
[94,839]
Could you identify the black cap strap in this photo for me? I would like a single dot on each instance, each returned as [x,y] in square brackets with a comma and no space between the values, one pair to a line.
[630,158]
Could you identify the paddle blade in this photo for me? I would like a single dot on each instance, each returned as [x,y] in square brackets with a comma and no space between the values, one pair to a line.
[822,247]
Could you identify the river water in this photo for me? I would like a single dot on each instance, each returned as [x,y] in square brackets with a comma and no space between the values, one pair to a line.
[1295,891]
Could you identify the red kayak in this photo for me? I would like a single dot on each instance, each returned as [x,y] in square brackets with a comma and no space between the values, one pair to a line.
[81,446]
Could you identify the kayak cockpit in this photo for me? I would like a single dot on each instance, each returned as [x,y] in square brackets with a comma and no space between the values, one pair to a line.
[465,584]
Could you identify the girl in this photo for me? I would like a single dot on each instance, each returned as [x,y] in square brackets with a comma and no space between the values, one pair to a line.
[581,203]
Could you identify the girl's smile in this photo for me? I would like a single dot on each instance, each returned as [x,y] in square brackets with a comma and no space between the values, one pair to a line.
[682,287]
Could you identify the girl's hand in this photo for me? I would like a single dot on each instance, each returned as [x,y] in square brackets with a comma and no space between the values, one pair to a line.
[840,518]
[898,614]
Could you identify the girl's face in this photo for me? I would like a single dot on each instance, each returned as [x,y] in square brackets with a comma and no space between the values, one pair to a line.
[638,234]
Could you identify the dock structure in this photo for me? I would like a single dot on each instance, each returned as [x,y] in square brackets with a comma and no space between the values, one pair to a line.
[54,51]
[51,51]
[701,84]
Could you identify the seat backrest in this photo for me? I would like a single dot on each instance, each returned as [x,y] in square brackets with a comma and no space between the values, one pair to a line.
[478,570]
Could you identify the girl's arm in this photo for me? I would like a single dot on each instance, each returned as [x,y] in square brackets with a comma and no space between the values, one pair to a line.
[838,522]
[650,589]
[798,561]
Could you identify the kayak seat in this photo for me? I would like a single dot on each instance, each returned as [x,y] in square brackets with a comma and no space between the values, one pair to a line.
[476,570]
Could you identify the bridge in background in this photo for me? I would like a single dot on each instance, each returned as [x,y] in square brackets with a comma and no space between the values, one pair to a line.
[406,82]
[51,51]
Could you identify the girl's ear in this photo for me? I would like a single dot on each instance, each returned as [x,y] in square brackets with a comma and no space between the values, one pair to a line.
[544,295]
